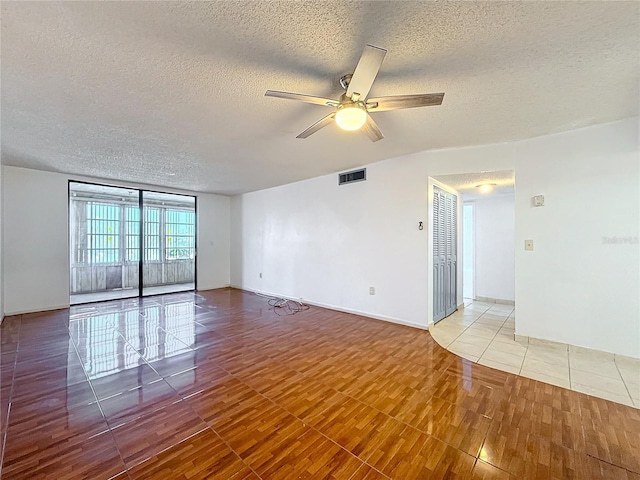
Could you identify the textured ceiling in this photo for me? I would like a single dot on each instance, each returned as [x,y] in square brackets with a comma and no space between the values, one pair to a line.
[172,94]
[467,183]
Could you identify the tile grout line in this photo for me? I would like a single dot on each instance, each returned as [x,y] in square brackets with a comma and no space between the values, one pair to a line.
[277,405]
[361,467]
[165,449]
[554,364]
[490,341]
[183,399]
[223,440]
[86,374]
[359,401]
[296,417]
[281,360]
[623,381]
[161,377]
[465,328]
[569,365]
[526,349]
[321,433]
[492,338]
[526,352]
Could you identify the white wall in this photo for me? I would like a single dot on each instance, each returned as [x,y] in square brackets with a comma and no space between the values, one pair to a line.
[328,243]
[213,241]
[573,287]
[36,266]
[495,268]
[35,239]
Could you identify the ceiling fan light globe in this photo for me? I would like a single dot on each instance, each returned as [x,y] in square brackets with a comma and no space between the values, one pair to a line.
[351,118]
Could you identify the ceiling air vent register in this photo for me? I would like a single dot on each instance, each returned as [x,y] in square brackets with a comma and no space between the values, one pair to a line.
[353,176]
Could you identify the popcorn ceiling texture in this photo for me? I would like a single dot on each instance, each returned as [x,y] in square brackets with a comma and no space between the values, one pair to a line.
[138,91]
[467,183]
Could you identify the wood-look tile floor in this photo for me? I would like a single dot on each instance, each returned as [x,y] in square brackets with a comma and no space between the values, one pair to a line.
[217,385]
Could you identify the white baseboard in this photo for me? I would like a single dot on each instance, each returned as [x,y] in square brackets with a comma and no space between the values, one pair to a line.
[217,287]
[42,309]
[337,308]
[496,300]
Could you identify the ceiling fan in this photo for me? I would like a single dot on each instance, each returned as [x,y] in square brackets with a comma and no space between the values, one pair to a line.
[353,109]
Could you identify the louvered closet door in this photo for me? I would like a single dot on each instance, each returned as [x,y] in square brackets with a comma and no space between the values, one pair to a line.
[445,241]
[451,222]
[439,257]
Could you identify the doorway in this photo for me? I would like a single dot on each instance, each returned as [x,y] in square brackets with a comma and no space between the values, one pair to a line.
[115,252]
[487,234]
[445,253]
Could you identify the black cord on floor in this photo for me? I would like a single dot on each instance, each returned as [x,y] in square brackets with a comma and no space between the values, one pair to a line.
[284,306]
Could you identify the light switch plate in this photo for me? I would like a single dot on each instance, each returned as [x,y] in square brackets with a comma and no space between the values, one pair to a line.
[528,245]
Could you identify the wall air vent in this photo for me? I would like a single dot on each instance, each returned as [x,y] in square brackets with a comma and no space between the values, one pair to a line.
[353,176]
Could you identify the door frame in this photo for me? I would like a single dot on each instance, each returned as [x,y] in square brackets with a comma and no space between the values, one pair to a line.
[431,182]
[472,204]
[141,191]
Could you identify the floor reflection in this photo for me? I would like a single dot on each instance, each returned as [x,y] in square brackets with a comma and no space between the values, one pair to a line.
[467,374]
[120,340]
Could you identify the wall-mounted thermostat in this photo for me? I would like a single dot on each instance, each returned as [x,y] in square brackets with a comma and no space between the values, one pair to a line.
[538,201]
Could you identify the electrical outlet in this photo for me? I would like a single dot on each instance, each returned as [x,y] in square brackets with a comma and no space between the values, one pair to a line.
[528,245]
[538,201]
[372,290]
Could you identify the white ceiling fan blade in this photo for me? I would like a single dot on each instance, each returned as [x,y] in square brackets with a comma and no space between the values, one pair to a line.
[366,71]
[302,98]
[371,130]
[323,122]
[398,102]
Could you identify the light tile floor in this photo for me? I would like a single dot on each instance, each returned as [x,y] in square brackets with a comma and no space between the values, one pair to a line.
[484,333]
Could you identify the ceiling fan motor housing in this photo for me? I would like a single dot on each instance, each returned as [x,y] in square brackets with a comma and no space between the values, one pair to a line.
[344,100]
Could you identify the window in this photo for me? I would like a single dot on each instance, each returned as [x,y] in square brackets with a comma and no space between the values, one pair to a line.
[103,233]
[109,233]
[179,234]
[132,236]
[151,234]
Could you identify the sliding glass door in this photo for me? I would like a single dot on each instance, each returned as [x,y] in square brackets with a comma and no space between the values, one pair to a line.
[117,252]
[169,243]
[103,229]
